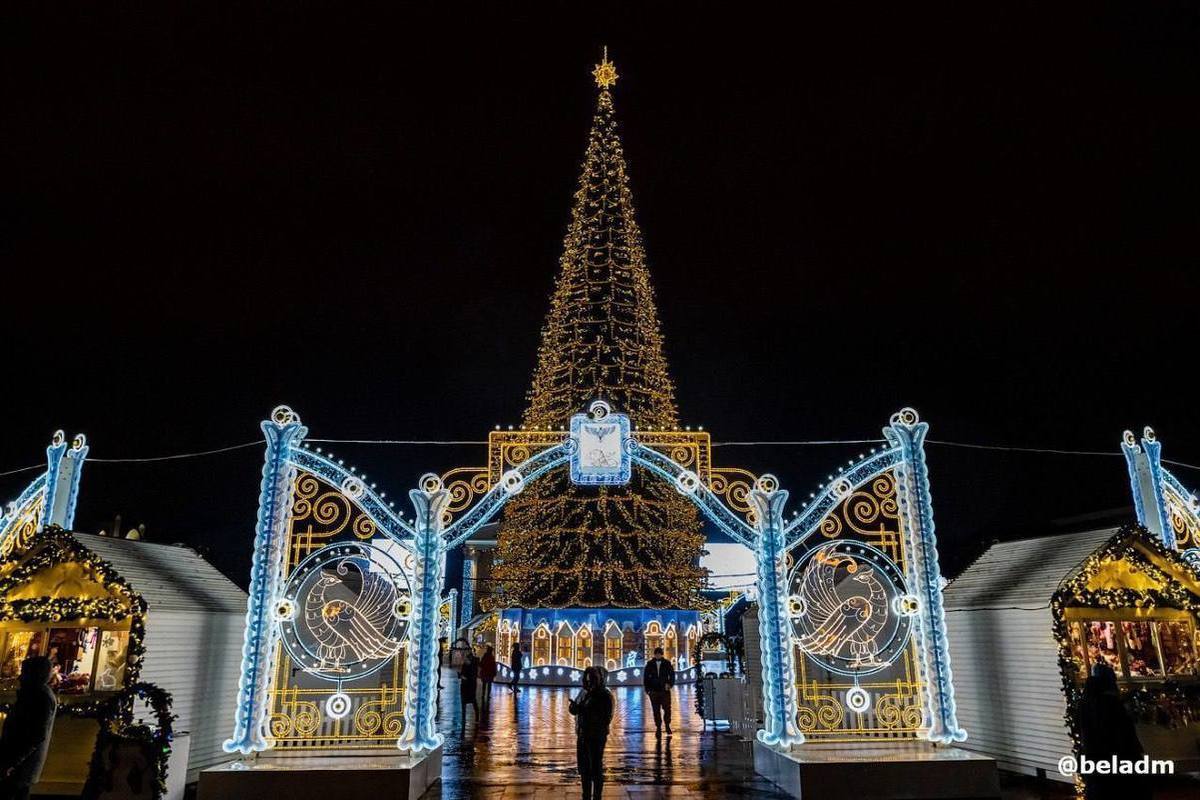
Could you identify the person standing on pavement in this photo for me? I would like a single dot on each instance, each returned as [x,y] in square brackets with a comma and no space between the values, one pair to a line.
[27,729]
[515,659]
[487,674]
[593,712]
[468,685]
[658,678]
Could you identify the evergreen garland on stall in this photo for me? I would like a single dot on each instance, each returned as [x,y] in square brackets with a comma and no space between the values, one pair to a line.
[118,726]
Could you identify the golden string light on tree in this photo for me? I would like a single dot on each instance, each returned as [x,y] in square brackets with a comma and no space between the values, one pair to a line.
[636,546]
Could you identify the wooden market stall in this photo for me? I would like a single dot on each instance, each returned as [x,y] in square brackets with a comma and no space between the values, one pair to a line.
[111,612]
[1028,619]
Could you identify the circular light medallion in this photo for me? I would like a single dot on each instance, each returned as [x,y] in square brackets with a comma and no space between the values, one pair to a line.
[599,409]
[338,705]
[858,699]
[284,610]
[906,605]
[687,482]
[849,593]
[346,620]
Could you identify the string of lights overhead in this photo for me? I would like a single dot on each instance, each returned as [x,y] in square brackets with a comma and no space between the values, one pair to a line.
[466,442]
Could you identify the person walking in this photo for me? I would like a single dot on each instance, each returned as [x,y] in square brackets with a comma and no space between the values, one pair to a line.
[468,685]
[515,659]
[593,712]
[1106,731]
[487,674]
[441,664]
[27,729]
[658,678]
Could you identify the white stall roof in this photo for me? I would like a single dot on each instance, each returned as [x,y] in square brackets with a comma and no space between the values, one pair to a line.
[167,576]
[1024,573]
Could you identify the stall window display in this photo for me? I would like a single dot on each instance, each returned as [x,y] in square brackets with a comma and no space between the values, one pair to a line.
[18,646]
[84,660]
[1176,643]
[1079,651]
[110,661]
[1140,651]
[1135,649]
[1102,644]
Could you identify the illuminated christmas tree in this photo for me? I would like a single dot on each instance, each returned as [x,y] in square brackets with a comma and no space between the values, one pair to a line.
[563,545]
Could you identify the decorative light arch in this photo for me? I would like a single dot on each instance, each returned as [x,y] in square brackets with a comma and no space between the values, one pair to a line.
[50,498]
[1162,503]
[449,509]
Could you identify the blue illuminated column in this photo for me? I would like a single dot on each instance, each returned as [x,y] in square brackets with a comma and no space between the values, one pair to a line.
[283,431]
[778,672]
[66,471]
[908,433]
[468,589]
[420,704]
[1145,477]
[54,458]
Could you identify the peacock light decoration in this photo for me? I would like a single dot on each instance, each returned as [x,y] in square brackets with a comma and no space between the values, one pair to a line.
[846,608]
[351,628]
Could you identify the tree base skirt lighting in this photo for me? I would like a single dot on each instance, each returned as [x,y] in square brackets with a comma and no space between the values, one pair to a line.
[559,643]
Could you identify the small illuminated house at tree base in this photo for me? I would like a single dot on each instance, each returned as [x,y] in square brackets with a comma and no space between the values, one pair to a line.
[560,643]
[1029,618]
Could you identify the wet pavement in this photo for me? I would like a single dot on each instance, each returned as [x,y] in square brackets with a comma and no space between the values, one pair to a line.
[524,747]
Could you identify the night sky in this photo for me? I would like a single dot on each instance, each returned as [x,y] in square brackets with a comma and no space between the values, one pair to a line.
[987,212]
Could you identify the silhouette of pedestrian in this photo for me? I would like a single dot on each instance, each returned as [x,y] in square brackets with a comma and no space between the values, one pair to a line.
[1107,730]
[487,674]
[515,661]
[468,684]
[658,678]
[27,729]
[593,712]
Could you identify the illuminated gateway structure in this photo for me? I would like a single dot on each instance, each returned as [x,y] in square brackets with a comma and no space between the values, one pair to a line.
[583,535]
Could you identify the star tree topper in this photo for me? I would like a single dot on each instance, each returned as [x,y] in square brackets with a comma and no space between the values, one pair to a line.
[605,72]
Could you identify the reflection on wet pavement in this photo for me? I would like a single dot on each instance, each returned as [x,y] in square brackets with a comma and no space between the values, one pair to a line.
[524,747]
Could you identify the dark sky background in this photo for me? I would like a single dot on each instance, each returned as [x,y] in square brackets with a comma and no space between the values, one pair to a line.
[987,212]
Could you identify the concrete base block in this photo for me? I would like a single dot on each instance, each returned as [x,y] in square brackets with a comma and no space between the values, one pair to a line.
[900,771]
[322,777]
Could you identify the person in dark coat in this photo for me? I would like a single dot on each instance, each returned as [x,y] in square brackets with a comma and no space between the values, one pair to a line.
[658,678]
[441,661]
[515,660]
[487,674]
[1107,729]
[27,729]
[468,684]
[593,711]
